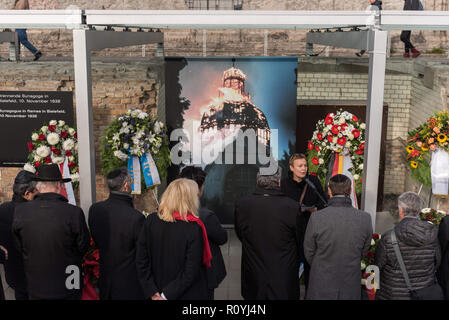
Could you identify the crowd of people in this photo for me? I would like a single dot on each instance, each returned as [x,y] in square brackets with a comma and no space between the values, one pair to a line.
[174,253]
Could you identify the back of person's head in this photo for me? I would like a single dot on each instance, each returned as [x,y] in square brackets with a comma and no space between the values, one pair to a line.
[180,196]
[340,185]
[269,181]
[23,183]
[411,203]
[116,179]
[195,173]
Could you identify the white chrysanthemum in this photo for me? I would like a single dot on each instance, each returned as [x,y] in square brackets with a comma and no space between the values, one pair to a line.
[58,160]
[71,158]
[68,144]
[44,129]
[362,126]
[356,177]
[29,167]
[37,158]
[43,151]
[361,166]
[75,177]
[373,242]
[71,131]
[53,122]
[53,138]
[61,123]
[34,136]
[426,210]
[320,161]
[362,266]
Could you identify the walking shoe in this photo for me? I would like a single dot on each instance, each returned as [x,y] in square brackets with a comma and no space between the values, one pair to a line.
[415,52]
[406,55]
[37,56]
[358,54]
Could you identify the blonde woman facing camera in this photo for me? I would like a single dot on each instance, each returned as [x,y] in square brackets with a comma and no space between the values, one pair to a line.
[173,251]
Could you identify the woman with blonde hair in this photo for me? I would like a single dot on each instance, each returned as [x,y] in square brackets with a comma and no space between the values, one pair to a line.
[173,250]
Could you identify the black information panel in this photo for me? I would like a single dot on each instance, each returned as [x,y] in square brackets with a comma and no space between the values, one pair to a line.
[21,113]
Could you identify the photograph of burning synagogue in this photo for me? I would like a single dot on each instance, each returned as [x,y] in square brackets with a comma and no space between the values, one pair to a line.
[242,110]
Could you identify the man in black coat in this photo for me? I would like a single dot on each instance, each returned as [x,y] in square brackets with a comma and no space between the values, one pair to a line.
[53,238]
[269,224]
[443,271]
[24,189]
[115,227]
[216,234]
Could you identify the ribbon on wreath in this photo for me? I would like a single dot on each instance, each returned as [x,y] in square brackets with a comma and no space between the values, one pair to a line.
[68,188]
[439,170]
[341,164]
[149,169]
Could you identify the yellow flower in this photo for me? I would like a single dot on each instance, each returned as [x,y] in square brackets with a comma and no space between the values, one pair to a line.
[414,164]
[410,149]
[423,148]
[442,138]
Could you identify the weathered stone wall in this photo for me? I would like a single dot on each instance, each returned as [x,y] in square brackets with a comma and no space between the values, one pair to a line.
[116,88]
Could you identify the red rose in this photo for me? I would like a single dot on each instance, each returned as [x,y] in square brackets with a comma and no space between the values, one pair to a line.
[354,118]
[330,138]
[335,129]
[37,164]
[370,255]
[68,153]
[63,134]
[315,161]
[329,120]
[71,164]
[362,146]
[429,217]
[356,133]
[42,137]
[48,159]
[313,174]
[359,152]
[55,151]
[317,148]
[341,141]
[310,146]
[375,236]
[30,146]
[52,128]
[75,135]
[320,136]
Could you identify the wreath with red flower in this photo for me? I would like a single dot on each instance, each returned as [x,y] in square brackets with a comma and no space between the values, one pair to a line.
[53,143]
[338,131]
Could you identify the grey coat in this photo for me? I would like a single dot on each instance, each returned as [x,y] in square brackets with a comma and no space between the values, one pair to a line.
[336,240]
[418,242]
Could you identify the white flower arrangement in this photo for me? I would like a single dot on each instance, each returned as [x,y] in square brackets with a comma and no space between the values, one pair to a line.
[53,138]
[43,151]
[29,167]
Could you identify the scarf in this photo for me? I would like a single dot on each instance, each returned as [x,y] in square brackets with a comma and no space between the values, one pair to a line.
[207,255]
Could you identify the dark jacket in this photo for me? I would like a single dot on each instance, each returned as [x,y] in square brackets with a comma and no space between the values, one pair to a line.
[443,271]
[268,224]
[169,259]
[14,270]
[217,236]
[378,4]
[294,189]
[420,251]
[115,227]
[2,260]
[411,5]
[52,235]
[337,238]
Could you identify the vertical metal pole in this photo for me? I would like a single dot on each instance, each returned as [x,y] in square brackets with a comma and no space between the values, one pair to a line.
[84,117]
[265,42]
[376,79]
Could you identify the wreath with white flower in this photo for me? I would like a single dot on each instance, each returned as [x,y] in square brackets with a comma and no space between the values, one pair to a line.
[337,132]
[135,133]
[53,143]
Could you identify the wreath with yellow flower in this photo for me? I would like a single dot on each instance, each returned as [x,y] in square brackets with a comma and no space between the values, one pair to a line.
[429,136]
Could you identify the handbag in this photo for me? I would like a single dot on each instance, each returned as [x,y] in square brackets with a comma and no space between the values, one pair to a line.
[433,292]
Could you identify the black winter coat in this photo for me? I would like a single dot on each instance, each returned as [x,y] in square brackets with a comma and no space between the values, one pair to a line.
[269,225]
[411,5]
[52,235]
[115,227]
[420,251]
[14,269]
[217,236]
[443,271]
[169,259]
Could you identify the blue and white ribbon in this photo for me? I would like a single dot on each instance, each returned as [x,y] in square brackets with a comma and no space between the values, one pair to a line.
[150,173]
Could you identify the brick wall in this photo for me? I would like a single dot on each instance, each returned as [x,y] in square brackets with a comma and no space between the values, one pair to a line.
[116,88]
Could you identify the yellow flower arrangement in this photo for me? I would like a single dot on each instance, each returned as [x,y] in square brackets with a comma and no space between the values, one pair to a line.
[414,164]
[441,138]
[410,149]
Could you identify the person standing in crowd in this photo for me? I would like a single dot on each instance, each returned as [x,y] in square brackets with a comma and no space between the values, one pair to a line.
[216,234]
[337,238]
[296,187]
[173,250]
[378,4]
[24,190]
[418,244]
[22,33]
[269,224]
[443,271]
[52,235]
[115,227]
[406,34]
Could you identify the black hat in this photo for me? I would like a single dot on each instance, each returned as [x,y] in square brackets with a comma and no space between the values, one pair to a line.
[49,172]
[24,177]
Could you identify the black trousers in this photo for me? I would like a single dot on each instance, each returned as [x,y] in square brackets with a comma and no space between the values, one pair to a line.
[405,37]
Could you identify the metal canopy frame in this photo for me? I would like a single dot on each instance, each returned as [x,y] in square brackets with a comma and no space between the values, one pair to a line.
[85,40]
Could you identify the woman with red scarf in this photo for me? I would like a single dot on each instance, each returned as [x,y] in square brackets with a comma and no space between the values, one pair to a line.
[173,250]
